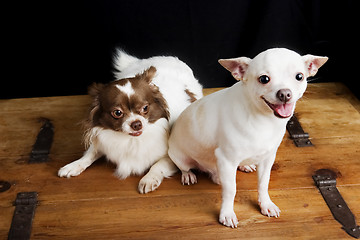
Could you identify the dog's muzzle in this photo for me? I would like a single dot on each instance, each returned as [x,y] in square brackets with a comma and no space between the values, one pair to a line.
[283,110]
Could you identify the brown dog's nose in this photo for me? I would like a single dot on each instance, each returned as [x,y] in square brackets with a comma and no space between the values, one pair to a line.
[136,125]
[284,95]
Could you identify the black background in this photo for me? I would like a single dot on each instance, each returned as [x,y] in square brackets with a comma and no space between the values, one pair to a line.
[60,47]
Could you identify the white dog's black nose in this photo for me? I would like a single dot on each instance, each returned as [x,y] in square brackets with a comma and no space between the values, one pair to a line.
[284,95]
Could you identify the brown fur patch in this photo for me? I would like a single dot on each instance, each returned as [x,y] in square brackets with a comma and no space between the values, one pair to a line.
[148,74]
[191,95]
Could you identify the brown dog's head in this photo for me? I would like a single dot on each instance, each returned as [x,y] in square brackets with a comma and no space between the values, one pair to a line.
[127,105]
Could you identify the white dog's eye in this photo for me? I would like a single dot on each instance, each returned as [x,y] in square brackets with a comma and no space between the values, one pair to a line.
[299,76]
[264,79]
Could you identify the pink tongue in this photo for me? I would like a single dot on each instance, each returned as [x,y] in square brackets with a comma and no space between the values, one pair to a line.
[284,110]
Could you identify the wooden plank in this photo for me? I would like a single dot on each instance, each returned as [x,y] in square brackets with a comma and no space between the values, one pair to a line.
[332,90]
[20,121]
[183,216]
[89,189]
[98,205]
[328,118]
[296,165]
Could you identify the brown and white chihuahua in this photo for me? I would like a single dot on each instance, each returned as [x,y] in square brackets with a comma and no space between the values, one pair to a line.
[129,119]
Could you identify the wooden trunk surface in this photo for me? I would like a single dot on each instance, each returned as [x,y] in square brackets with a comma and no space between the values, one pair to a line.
[97,205]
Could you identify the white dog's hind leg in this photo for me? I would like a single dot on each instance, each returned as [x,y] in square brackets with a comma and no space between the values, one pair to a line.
[188,177]
[247,168]
[268,208]
[184,164]
[227,175]
[78,166]
[152,180]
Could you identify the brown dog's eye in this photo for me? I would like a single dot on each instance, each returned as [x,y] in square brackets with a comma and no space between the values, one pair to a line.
[145,109]
[117,113]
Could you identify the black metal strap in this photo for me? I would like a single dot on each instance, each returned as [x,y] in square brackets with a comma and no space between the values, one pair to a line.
[297,134]
[41,148]
[325,180]
[25,205]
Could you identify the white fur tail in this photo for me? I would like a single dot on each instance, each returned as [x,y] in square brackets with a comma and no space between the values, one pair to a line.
[122,60]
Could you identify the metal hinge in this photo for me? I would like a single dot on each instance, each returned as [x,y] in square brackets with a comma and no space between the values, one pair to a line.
[41,148]
[297,134]
[25,205]
[325,180]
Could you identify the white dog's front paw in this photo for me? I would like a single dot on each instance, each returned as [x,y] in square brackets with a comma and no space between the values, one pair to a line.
[71,170]
[149,183]
[188,178]
[248,168]
[228,219]
[269,209]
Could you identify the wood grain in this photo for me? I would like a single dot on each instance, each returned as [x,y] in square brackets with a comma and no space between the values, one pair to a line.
[97,205]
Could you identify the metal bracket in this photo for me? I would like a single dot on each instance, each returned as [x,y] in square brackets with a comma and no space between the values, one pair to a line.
[25,205]
[41,148]
[297,134]
[325,180]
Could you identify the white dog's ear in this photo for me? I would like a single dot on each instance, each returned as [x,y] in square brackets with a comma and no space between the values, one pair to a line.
[237,66]
[313,63]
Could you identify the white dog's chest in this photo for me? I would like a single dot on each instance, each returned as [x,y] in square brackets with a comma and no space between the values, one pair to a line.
[255,157]
[247,155]
[251,146]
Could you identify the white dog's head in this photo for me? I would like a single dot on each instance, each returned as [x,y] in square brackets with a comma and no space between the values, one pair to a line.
[275,78]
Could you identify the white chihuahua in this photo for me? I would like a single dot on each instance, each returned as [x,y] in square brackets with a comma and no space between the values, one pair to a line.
[242,126]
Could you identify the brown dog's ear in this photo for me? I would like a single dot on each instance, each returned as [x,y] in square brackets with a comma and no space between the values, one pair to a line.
[237,66]
[148,74]
[94,91]
[313,63]
[91,121]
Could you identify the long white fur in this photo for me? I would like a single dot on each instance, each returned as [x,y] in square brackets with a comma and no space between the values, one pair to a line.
[134,155]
